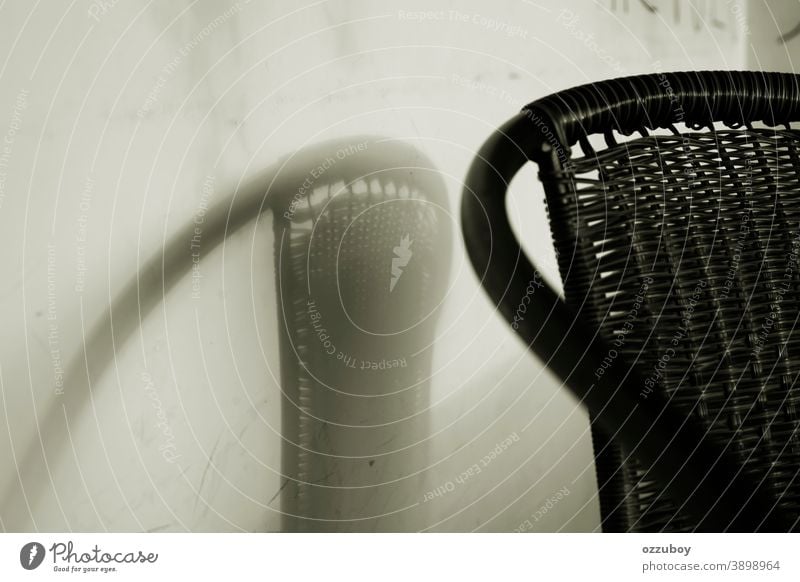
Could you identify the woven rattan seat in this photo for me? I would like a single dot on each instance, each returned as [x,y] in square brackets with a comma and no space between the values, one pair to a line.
[674,203]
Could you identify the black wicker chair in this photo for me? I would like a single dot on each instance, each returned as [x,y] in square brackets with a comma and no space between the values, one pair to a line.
[677,242]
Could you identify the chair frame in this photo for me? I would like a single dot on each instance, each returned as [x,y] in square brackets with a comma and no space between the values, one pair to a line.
[668,447]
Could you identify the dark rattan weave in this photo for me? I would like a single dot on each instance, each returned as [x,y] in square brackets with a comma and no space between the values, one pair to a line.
[684,249]
[679,253]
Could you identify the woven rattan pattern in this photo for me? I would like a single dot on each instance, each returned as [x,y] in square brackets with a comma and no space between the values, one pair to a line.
[683,250]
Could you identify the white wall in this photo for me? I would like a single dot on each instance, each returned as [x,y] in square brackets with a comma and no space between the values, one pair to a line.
[117,116]
[772,36]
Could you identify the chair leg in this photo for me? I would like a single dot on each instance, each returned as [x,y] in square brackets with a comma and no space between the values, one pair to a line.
[608,460]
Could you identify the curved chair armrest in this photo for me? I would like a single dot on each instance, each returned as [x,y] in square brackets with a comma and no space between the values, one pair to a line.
[699,475]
